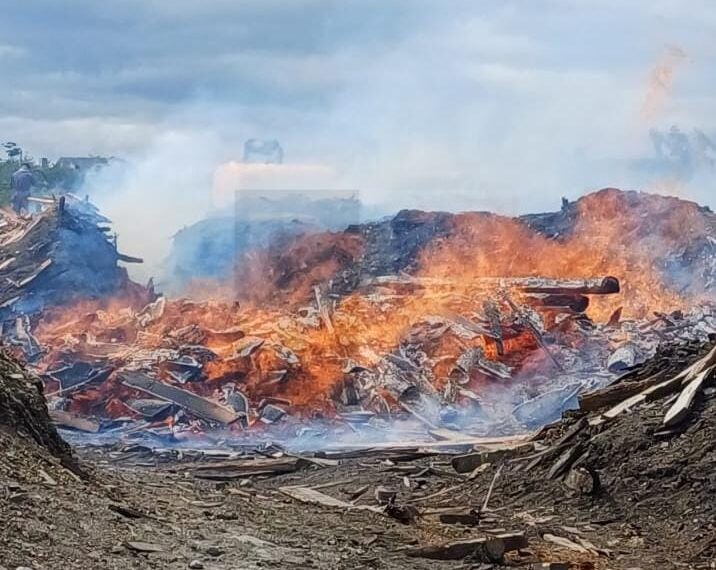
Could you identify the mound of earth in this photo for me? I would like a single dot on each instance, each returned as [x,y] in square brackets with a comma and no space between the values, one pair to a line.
[23,410]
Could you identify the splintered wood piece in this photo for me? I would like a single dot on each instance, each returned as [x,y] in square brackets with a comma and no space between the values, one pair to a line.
[615,317]
[492,488]
[582,480]
[197,405]
[649,394]
[680,409]
[323,310]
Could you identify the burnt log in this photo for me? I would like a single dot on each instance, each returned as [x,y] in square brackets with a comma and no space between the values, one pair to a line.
[574,302]
[605,286]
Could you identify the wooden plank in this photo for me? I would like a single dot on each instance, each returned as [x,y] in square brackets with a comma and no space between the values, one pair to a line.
[605,286]
[66,419]
[565,461]
[485,549]
[38,200]
[467,518]
[513,541]
[314,497]
[487,443]
[239,469]
[680,409]
[565,543]
[470,462]
[309,495]
[697,367]
[191,402]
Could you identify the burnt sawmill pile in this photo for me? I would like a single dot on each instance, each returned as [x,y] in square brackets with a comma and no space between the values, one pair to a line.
[363,328]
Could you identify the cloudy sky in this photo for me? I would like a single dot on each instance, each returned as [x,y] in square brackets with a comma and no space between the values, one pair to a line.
[477,104]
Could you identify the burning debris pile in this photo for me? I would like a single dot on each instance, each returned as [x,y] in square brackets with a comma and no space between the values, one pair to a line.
[54,258]
[425,326]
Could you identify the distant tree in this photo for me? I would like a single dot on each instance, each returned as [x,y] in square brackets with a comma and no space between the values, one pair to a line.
[13,151]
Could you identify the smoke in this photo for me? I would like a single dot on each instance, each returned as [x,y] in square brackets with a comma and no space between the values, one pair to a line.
[459,113]
[156,192]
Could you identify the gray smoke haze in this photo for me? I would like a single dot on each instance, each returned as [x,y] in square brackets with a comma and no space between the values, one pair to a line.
[438,105]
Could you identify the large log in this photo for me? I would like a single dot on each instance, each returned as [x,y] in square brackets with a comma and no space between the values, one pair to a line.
[600,286]
[595,286]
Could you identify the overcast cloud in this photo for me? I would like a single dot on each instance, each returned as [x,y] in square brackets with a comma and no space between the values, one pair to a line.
[500,105]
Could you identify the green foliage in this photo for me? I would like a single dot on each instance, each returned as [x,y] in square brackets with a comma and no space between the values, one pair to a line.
[7,167]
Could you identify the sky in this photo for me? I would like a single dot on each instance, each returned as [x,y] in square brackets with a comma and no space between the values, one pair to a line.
[452,104]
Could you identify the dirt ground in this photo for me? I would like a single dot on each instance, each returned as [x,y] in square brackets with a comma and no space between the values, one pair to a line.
[655,507]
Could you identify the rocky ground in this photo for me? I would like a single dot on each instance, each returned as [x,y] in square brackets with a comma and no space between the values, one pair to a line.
[653,506]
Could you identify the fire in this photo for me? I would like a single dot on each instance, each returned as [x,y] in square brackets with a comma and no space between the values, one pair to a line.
[607,237]
[464,312]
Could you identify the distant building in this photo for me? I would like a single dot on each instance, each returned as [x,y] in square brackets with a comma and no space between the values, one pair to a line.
[263,151]
[82,163]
